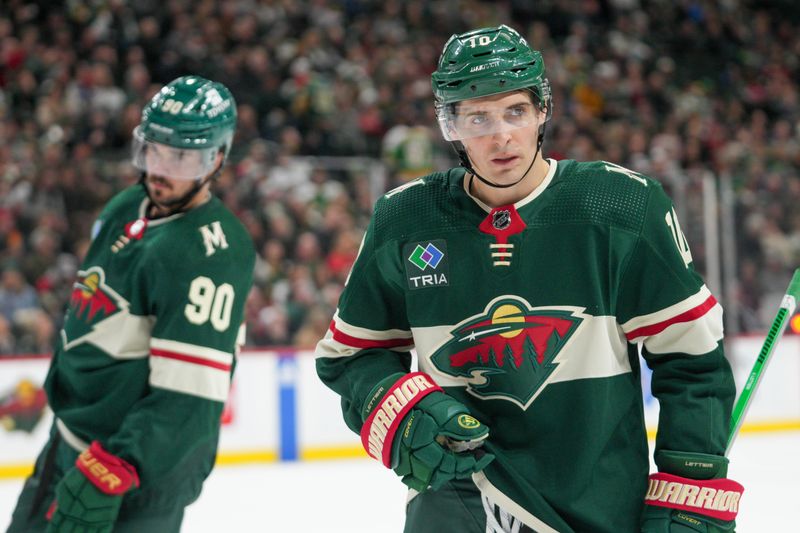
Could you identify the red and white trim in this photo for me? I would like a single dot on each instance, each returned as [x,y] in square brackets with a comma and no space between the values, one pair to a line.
[717,498]
[111,475]
[344,339]
[190,369]
[380,427]
[692,326]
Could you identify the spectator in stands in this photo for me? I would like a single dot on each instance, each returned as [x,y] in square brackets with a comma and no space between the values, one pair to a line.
[35,332]
[671,89]
[7,341]
[16,294]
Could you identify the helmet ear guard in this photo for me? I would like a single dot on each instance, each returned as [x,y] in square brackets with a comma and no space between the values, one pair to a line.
[543,98]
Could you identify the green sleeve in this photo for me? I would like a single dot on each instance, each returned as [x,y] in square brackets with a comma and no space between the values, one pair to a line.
[370,337]
[665,305]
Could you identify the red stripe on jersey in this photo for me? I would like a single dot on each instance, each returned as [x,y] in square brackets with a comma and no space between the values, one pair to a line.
[687,316]
[189,359]
[344,338]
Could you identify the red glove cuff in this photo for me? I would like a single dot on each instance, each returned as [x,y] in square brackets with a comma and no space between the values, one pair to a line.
[717,498]
[379,428]
[107,472]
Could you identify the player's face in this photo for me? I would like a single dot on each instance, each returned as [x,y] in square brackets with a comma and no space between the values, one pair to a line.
[512,119]
[164,162]
[165,190]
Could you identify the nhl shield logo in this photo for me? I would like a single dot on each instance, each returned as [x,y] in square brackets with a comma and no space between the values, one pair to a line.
[509,351]
[501,219]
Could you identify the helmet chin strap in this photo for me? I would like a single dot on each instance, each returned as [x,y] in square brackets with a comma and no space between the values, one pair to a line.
[465,162]
[178,204]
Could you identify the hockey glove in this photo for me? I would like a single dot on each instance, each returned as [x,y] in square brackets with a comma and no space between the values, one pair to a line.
[694,497]
[427,437]
[89,497]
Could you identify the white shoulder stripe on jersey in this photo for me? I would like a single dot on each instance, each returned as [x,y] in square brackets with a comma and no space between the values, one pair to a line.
[668,312]
[369,334]
[193,350]
[190,378]
[697,337]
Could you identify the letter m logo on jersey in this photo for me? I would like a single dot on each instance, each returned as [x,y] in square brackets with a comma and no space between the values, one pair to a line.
[509,351]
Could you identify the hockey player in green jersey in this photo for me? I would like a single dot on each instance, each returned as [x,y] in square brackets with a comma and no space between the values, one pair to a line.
[526,287]
[143,367]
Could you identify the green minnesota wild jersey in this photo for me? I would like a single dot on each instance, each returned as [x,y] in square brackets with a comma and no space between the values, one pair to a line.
[532,315]
[147,351]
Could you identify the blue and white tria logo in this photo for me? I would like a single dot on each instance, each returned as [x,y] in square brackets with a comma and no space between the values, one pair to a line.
[426,264]
[429,256]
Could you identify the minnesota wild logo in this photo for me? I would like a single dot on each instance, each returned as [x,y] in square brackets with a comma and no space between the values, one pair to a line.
[89,296]
[509,351]
[23,407]
[91,303]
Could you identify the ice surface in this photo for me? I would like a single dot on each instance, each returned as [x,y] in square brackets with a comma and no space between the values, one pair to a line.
[360,496]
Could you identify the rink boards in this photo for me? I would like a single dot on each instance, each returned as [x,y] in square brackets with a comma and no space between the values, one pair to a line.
[278,409]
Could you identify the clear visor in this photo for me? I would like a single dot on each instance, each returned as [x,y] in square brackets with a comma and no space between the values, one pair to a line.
[169,162]
[476,118]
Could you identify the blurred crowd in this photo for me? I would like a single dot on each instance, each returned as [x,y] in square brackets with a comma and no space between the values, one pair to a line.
[677,89]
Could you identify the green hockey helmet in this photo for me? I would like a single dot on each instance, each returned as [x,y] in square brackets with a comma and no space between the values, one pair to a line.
[486,62]
[183,128]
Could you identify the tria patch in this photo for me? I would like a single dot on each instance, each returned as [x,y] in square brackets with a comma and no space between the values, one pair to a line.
[426,264]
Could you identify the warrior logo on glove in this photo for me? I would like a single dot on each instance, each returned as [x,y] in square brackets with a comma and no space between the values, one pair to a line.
[509,351]
[383,422]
